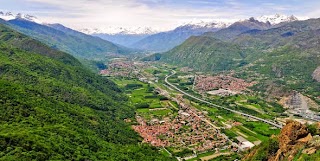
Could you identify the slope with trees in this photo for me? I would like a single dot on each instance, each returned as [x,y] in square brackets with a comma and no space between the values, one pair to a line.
[52,108]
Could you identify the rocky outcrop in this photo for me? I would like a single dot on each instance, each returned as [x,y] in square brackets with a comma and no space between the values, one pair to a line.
[316,74]
[294,140]
[277,71]
[294,137]
[296,100]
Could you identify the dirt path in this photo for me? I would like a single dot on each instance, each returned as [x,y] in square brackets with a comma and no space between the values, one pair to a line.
[214,156]
[242,134]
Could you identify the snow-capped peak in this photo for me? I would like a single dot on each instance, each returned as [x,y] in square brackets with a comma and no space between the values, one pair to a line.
[277,18]
[120,30]
[10,16]
[207,24]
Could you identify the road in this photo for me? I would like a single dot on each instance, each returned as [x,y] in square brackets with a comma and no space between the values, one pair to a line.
[214,105]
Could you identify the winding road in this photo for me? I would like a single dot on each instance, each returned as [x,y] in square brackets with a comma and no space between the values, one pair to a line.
[214,105]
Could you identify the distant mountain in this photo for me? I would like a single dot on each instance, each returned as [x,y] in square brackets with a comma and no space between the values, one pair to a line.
[277,19]
[151,40]
[240,27]
[297,32]
[165,41]
[10,16]
[90,38]
[120,30]
[122,39]
[125,36]
[252,25]
[287,54]
[67,40]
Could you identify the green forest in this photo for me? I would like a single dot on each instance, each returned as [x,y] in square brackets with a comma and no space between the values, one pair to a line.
[53,108]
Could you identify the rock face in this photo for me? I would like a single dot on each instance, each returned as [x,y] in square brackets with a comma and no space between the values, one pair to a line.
[290,134]
[296,100]
[316,74]
[294,142]
[293,137]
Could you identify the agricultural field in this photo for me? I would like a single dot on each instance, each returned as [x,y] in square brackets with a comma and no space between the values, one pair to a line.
[149,104]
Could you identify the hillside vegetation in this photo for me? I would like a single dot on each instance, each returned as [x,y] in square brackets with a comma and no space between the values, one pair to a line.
[286,55]
[52,108]
[206,54]
[59,37]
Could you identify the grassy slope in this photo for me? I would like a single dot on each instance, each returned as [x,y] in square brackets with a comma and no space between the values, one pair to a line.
[289,55]
[284,55]
[205,53]
[67,40]
[54,109]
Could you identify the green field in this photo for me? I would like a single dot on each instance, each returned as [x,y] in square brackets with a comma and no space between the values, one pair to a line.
[148,103]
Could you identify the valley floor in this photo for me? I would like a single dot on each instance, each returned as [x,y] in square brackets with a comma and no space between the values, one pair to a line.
[186,128]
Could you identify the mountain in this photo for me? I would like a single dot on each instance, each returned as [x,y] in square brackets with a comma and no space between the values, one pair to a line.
[285,56]
[252,25]
[120,35]
[52,108]
[295,142]
[150,40]
[288,55]
[206,53]
[119,49]
[10,16]
[120,30]
[211,51]
[60,37]
[122,39]
[297,32]
[240,27]
[165,41]
[277,19]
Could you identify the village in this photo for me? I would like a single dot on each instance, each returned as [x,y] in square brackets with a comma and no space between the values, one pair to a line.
[223,85]
[186,130]
[187,126]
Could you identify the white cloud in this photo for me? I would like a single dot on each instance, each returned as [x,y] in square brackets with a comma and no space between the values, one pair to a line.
[154,13]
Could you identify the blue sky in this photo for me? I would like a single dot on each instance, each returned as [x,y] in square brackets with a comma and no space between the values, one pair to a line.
[163,14]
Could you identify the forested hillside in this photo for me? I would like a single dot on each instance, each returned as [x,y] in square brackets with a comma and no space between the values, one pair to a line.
[206,54]
[287,54]
[52,108]
[67,40]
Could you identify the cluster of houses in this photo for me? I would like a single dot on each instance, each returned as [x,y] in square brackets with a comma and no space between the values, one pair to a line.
[225,82]
[187,129]
[123,69]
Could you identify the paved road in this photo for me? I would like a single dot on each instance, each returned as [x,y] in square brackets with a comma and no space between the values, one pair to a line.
[214,105]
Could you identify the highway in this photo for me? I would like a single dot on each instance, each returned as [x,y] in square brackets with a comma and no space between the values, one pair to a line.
[217,106]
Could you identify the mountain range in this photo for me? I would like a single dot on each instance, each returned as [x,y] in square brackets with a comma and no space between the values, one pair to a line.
[164,41]
[257,51]
[120,39]
[121,35]
[63,38]
[10,16]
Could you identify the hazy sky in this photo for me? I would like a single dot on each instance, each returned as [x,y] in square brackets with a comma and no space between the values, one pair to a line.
[154,13]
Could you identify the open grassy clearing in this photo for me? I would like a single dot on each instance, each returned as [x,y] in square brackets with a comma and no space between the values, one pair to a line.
[148,103]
